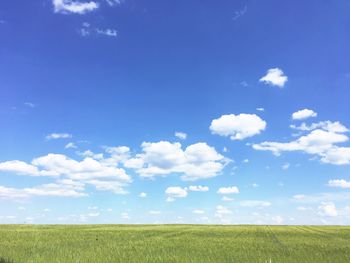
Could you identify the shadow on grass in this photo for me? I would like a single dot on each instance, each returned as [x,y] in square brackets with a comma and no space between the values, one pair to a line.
[2,260]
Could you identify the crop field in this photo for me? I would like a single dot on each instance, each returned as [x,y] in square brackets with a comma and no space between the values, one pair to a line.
[173,243]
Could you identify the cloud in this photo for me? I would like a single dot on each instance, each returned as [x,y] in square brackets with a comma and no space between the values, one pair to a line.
[70,145]
[102,174]
[254,203]
[181,135]
[114,2]
[198,188]
[303,114]
[87,30]
[327,209]
[53,189]
[228,190]
[30,105]
[317,142]
[174,192]
[222,211]
[240,13]
[227,199]
[23,168]
[238,127]
[76,7]
[275,77]
[55,136]
[107,32]
[198,211]
[260,109]
[286,166]
[322,197]
[154,212]
[143,195]
[341,183]
[197,161]
[336,127]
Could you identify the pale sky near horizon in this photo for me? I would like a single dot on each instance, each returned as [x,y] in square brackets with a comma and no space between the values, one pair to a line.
[208,112]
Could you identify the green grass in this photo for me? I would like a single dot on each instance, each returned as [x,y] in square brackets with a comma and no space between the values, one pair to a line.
[173,243]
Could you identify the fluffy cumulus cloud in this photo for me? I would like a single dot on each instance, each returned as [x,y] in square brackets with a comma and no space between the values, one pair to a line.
[340,183]
[72,174]
[174,192]
[197,161]
[275,77]
[321,141]
[303,114]
[75,7]
[238,127]
[327,209]
[228,190]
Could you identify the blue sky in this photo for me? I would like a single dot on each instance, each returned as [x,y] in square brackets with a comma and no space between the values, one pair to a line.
[125,111]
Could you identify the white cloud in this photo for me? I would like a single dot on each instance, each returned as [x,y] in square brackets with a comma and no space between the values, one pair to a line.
[55,136]
[54,190]
[198,211]
[125,215]
[107,32]
[175,192]
[30,104]
[76,7]
[238,127]
[255,185]
[227,199]
[341,183]
[275,77]
[154,212]
[70,145]
[228,190]
[336,127]
[322,197]
[277,220]
[143,195]
[181,135]
[222,211]
[260,109]
[286,166]
[303,114]
[23,168]
[317,142]
[88,30]
[114,2]
[198,188]
[327,209]
[255,203]
[197,161]
[94,214]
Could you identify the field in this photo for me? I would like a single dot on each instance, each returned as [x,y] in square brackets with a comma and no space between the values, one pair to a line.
[173,243]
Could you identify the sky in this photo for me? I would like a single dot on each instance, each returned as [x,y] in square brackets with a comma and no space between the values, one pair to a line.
[201,112]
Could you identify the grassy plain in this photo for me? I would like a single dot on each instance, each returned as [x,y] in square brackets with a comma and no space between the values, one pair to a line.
[173,243]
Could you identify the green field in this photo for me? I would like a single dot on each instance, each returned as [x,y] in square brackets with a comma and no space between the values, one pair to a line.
[173,243]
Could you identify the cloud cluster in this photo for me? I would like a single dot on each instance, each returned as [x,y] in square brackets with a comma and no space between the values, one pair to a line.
[321,141]
[303,114]
[196,161]
[238,127]
[76,7]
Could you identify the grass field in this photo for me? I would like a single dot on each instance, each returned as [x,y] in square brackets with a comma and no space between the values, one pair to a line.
[173,243]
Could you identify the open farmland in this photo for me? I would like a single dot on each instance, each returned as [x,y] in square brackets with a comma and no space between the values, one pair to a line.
[173,243]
